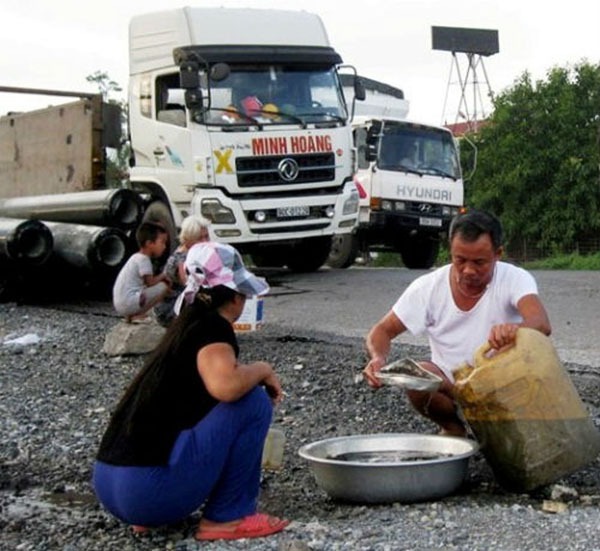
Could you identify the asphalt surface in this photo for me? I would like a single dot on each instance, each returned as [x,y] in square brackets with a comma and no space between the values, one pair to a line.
[349,302]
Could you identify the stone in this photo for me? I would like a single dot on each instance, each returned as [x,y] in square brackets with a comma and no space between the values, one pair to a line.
[294,545]
[563,493]
[132,338]
[550,506]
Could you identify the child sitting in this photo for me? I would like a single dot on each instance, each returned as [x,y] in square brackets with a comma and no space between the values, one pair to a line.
[137,289]
[194,229]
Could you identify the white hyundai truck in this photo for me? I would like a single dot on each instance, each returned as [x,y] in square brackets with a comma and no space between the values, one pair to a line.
[239,115]
[409,180]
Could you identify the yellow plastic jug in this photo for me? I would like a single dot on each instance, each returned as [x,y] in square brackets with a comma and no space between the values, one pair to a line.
[522,406]
[272,458]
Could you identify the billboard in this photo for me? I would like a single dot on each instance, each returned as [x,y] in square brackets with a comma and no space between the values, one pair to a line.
[473,41]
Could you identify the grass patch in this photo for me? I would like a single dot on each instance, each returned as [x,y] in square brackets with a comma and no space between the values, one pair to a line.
[394,260]
[571,261]
[386,260]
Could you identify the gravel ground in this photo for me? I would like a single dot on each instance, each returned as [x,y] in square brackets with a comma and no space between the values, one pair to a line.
[57,390]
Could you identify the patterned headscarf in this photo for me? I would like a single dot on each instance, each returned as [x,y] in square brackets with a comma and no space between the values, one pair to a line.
[210,264]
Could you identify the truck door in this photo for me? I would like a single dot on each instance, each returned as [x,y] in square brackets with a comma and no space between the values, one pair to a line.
[172,147]
[162,140]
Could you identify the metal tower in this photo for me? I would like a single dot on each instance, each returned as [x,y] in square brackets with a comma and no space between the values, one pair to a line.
[475,44]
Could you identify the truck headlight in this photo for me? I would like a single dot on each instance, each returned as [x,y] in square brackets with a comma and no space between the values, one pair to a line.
[351,204]
[449,211]
[216,212]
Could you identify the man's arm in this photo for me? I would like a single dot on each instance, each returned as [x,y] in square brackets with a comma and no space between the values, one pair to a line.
[378,345]
[534,316]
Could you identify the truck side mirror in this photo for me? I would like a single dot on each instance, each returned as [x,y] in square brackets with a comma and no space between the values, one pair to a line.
[362,147]
[189,77]
[360,93]
[219,71]
[373,135]
[193,98]
[371,152]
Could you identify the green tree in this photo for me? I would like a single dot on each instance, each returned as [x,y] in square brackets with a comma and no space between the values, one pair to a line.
[117,161]
[539,156]
[106,86]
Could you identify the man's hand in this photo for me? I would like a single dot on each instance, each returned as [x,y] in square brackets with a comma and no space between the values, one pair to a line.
[503,335]
[374,365]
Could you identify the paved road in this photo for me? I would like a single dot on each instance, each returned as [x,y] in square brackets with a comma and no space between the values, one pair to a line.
[348,302]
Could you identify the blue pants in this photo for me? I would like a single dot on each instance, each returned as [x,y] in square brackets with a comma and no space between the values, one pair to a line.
[216,463]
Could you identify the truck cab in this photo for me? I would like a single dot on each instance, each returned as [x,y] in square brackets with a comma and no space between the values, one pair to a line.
[409,181]
[412,179]
[239,115]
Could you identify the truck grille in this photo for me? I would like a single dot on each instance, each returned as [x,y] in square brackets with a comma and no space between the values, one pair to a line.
[262,171]
[424,209]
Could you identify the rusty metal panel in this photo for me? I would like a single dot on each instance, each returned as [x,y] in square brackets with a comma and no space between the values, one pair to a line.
[52,150]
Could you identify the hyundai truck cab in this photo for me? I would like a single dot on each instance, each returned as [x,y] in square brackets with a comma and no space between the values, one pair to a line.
[409,181]
[413,182]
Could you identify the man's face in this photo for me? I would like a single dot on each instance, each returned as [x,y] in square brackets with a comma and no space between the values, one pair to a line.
[474,261]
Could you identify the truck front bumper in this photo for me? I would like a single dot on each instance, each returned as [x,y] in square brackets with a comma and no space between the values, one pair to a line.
[290,218]
[387,228]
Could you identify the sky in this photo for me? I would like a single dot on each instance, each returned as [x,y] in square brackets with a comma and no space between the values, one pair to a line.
[56,44]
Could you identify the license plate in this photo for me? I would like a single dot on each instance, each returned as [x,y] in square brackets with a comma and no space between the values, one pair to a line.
[435,222]
[292,212]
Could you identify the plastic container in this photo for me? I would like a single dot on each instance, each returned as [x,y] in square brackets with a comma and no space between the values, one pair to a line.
[521,405]
[272,458]
[252,315]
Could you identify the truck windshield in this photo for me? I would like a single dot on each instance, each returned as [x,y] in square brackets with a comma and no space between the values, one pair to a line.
[276,95]
[418,149]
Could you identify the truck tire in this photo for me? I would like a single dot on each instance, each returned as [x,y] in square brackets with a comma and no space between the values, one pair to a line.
[309,254]
[419,253]
[6,285]
[159,212]
[344,250]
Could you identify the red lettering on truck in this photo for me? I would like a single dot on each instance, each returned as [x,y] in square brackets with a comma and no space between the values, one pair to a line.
[310,144]
[269,146]
[294,144]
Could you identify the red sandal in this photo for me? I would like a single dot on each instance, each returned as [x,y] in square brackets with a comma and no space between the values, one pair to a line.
[253,526]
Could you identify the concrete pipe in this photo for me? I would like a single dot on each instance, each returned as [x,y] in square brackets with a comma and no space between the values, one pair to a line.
[121,208]
[90,247]
[25,241]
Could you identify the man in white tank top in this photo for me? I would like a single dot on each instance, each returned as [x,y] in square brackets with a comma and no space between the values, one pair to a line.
[459,306]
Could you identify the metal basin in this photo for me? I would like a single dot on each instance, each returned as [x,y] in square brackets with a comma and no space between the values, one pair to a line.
[384,468]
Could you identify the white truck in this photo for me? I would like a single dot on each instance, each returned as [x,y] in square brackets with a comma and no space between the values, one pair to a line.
[409,180]
[239,115]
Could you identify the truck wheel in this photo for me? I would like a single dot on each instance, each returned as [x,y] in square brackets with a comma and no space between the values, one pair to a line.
[268,257]
[5,287]
[309,254]
[344,250]
[159,212]
[419,253]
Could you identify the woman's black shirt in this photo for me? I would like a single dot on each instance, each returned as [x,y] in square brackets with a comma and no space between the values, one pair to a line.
[166,400]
